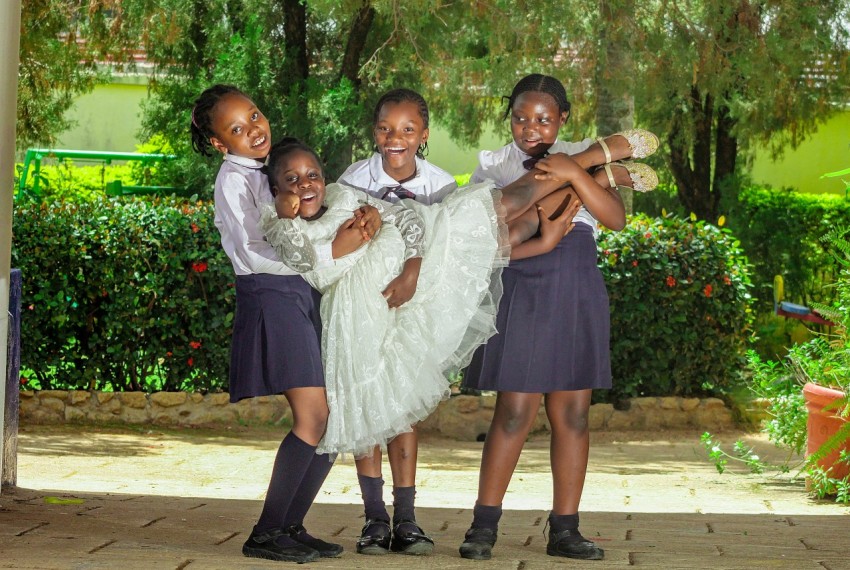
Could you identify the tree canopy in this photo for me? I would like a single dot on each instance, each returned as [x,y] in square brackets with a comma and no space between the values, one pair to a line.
[710,78]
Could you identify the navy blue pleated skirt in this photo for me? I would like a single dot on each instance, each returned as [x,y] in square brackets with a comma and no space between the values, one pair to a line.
[276,336]
[553,323]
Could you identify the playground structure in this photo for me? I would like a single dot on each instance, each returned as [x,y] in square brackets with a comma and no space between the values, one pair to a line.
[34,157]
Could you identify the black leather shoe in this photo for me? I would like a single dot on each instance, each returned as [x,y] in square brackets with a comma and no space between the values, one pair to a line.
[299,534]
[478,544]
[409,538]
[571,544]
[263,545]
[375,537]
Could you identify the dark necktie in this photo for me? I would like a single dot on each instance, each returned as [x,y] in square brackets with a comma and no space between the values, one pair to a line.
[400,191]
[530,163]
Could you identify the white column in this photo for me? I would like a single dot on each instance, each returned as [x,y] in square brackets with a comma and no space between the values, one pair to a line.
[10,32]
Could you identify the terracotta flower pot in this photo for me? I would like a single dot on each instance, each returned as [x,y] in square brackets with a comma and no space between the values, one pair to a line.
[822,424]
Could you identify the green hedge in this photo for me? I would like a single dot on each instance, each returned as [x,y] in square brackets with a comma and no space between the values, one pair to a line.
[680,307]
[780,231]
[133,294]
[136,294]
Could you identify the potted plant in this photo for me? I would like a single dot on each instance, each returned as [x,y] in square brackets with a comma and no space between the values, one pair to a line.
[807,397]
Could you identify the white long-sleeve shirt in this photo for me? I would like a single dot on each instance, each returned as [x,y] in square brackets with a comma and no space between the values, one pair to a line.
[240,189]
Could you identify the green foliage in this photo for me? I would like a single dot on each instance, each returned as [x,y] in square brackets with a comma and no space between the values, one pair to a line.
[680,307]
[781,231]
[67,181]
[129,294]
[823,360]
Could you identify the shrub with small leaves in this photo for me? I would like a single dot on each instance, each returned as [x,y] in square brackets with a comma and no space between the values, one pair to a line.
[123,294]
[680,307]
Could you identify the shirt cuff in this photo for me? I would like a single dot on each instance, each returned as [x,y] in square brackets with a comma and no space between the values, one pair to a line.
[324,254]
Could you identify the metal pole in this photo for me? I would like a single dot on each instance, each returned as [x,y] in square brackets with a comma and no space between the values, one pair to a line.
[10,45]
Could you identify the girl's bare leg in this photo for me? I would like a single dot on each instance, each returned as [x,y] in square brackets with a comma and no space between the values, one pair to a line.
[309,413]
[512,420]
[403,453]
[370,466]
[570,445]
[521,194]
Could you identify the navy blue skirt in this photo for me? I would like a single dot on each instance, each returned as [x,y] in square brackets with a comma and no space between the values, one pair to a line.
[276,336]
[553,322]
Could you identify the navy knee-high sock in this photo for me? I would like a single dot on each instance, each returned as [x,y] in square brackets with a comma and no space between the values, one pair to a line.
[315,476]
[293,459]
[372,489]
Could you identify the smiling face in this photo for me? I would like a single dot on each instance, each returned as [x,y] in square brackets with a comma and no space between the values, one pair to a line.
[300,173]
[535,121]
[399,131]
[240,128]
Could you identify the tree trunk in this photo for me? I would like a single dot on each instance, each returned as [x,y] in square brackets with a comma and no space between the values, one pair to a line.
[356,43]
[293,76]
[691,166]
[339,152]
[614,78]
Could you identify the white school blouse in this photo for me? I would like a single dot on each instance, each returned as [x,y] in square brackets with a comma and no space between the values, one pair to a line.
[504,166]
[431,184]
[240,189]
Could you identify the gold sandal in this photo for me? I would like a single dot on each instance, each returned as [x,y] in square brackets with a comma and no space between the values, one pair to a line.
[644,178]
[642,143]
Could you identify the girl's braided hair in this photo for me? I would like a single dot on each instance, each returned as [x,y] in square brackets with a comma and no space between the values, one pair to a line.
[539,83]
[280,150]
[201,127]
[403,95]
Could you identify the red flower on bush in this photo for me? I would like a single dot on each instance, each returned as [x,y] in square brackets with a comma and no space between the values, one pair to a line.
[727,280]
[634,263]
[190,361]
[24,380]
[199,266]
[195,344]
[647,235]
[707,290]
[169,354]
[671,281]
[195,228]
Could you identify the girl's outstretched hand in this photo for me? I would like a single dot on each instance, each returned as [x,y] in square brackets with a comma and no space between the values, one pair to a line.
[552,231]
[369,220]
[401,289]
[558,166]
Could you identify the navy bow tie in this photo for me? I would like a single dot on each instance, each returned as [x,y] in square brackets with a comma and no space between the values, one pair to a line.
[400,191]
[530,163]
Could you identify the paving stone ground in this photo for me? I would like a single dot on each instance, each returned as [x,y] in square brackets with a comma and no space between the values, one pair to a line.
[98,497]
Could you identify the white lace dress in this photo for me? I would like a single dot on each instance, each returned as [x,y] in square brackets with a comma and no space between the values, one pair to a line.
[386,369]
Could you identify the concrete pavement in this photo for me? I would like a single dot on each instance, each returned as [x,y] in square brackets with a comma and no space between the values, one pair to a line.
[150,498]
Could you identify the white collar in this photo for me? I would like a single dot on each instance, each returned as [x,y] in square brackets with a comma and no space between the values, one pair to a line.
[244,161]
[384,180]
[525,154]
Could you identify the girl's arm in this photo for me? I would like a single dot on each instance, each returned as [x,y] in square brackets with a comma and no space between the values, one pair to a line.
[604,204]
[551,232]
[401,289]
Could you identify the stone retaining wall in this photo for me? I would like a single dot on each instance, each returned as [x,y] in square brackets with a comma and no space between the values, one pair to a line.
[461,417]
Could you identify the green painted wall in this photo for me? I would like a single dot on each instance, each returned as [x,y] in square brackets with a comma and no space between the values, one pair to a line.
[827,151]
[108,119]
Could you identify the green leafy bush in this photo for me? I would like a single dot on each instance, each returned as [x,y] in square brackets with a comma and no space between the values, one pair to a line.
[781,232]
[129,294]
[680,307]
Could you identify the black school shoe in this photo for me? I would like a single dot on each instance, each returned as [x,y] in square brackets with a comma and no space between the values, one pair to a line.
[409,538]
[263,545]
[299,534]
[375,537]
[478,544]
[571,544]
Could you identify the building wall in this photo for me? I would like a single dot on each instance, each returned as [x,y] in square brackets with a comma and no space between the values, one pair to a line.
[109,119]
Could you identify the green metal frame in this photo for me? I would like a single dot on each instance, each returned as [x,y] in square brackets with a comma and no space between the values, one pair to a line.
[34,156]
